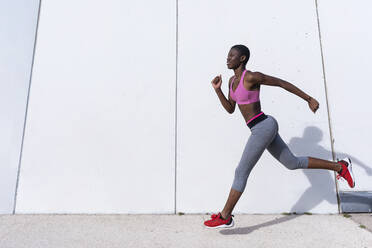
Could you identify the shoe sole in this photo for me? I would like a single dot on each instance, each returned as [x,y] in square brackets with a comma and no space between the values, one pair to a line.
[221,226]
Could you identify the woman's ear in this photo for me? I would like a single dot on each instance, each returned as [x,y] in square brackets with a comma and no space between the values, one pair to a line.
[242,58]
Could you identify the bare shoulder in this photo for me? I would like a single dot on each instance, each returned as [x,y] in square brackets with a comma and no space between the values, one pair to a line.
[254,77]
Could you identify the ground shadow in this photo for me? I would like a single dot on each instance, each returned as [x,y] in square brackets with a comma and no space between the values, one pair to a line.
[322,187]
[249,229]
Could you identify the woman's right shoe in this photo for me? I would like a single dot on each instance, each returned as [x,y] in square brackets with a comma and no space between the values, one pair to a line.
[216,221]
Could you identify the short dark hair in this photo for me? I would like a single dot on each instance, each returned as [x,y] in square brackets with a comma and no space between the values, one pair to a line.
[243,50]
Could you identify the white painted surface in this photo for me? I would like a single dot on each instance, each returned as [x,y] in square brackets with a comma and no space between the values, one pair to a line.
[283,40]
[347,37]
[100,131]
[18,21]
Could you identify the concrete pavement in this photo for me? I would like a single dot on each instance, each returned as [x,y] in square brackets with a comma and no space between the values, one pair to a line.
[80,231]
[363,219]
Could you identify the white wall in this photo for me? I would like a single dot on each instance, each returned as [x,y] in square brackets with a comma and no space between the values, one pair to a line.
[101,126]
[100,130]
[283,40]
[18,21]
[346,38]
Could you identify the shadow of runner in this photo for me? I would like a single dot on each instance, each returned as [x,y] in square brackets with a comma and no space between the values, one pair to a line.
[322,186]
[249,229]
[322,182]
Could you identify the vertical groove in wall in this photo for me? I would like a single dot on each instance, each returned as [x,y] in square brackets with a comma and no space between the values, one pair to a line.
[326,93]
[175,126]
[26,111]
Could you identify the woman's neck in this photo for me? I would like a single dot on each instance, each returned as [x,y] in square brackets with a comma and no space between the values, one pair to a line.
[239,71]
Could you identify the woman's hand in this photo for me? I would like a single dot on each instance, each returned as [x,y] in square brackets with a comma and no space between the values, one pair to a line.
[313,104]
[216,82]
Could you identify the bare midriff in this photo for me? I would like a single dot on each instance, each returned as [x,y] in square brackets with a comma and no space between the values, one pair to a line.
[250,110]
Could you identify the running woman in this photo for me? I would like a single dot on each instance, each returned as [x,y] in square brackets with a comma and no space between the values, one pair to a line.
[244,89]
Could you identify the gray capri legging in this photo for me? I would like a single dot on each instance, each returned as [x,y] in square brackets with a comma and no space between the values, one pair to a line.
[264,135]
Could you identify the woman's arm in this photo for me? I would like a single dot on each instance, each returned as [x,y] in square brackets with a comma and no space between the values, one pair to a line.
[261,78]
[229,105]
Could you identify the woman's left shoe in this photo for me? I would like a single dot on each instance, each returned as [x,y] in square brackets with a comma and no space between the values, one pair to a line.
[347,172]
[216,221]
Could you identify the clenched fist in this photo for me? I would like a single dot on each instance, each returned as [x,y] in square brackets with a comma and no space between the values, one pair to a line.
[216,82]
[313,104]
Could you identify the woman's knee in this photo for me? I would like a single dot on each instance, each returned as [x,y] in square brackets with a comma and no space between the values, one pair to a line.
[296,163]
[239,183]
[240,179]
[241,174]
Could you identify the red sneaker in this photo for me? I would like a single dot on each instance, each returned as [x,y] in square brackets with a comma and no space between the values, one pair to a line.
[216,221]
[347,172]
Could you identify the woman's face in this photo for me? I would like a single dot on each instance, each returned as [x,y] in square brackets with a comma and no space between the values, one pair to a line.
[233,59]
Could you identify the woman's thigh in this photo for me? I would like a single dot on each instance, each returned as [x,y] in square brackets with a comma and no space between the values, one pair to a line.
[280,150]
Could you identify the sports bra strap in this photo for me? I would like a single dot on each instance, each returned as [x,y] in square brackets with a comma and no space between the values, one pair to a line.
[242,76]
[231,83]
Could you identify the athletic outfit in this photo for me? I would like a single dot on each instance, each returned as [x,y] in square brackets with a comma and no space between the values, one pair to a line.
[264,135]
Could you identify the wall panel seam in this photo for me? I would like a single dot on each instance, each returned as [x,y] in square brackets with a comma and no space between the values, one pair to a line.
[176,113]
[26,110]
[327,101]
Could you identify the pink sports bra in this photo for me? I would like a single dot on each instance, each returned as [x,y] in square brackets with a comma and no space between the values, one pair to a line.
[242,95]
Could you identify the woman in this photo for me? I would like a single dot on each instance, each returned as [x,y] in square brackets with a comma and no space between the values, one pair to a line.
[244,89]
